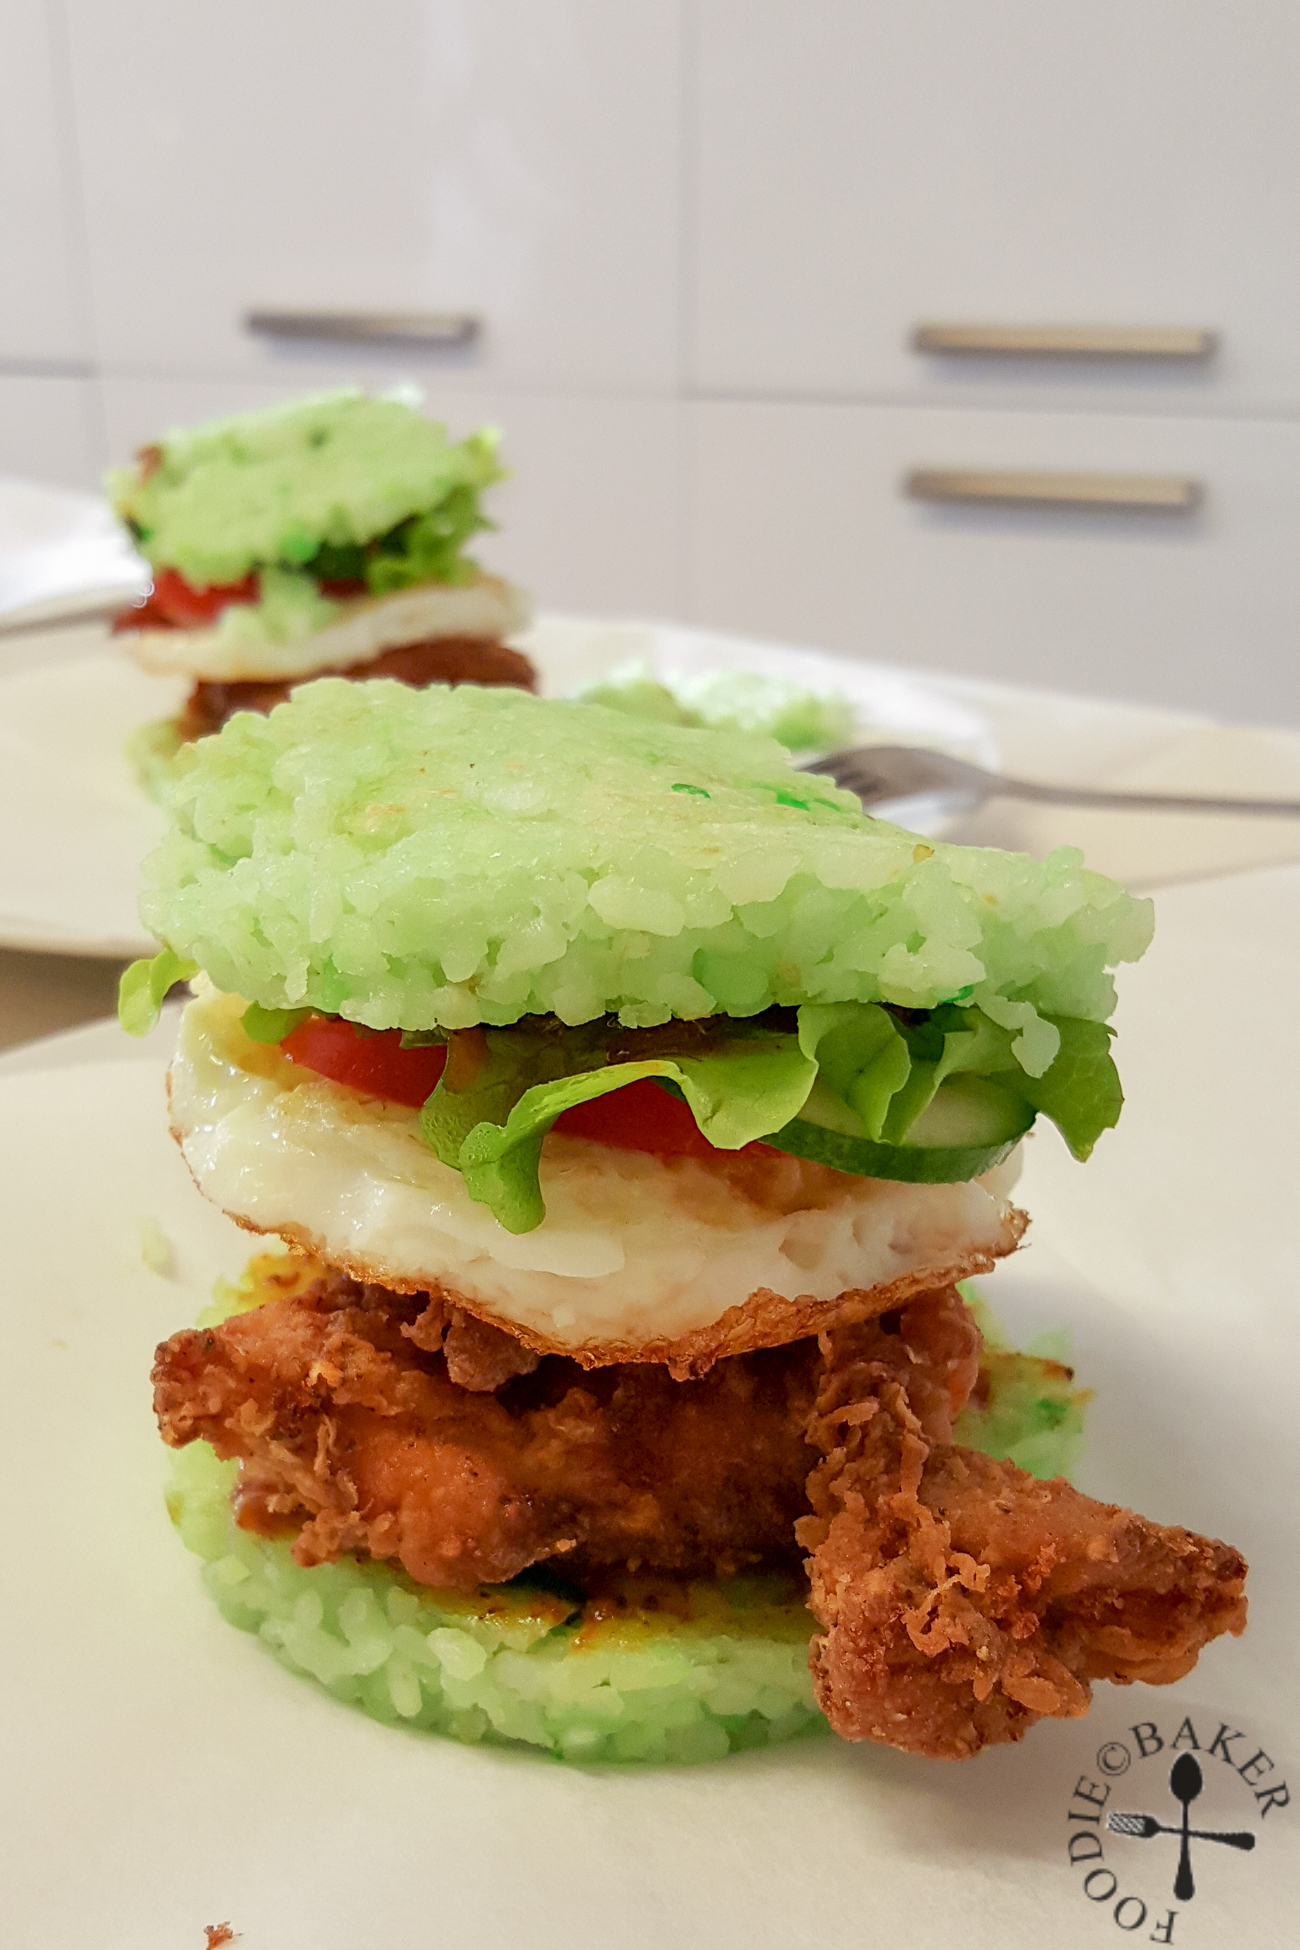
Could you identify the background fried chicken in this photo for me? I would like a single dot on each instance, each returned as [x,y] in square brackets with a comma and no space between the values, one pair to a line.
[433,660]
[961,1599]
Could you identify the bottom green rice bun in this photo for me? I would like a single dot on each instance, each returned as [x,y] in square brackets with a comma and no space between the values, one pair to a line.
[516,1663]
[660,1672]
[151,751]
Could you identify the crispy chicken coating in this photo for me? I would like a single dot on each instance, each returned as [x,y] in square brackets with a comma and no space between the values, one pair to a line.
[368,1418]
[433,660]
[961,1599]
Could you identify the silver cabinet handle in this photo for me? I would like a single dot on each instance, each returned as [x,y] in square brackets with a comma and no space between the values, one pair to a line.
[430,328]
[1180,342]
[997,487]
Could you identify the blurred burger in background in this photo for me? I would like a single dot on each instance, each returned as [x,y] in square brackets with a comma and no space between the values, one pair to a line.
[326,536]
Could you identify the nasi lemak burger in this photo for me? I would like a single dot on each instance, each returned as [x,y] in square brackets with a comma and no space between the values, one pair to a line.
[630,1105]
[329,534]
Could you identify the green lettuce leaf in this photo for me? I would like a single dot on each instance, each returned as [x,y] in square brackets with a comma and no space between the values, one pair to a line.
[491,1127]
[144,986]
[1080,1091]
[427,547]
[856,1067]
[504,1088]
[948,1043]
[425,1038]
[488,1072]
[888,1070]
[272,1025]
[861,1056]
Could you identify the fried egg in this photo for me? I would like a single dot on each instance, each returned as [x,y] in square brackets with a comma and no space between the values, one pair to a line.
[638,1257]
[364,628]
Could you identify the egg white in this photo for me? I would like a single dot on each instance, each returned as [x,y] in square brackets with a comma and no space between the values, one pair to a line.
[365,627]
[634,1249]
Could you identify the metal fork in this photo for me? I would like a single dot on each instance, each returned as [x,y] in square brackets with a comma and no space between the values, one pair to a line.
[885,774]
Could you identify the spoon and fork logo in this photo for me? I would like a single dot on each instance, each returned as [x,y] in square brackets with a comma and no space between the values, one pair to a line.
[1185,1784]
[1199,1754]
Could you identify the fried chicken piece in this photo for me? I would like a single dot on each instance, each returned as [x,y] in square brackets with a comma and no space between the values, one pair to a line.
[478,1355]
[960,1598]
[433,660]
[345,1409]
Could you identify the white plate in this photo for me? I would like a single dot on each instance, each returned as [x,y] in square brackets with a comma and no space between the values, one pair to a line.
[75,824]
[163,1773]
[61,554]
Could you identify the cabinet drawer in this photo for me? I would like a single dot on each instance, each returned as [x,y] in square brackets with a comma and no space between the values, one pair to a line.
[42,314]
[864,167]
[800,530]
[515,161]
[588,518]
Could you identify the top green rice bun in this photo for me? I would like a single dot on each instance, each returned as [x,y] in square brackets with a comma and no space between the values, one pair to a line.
[307,485]
[438,858]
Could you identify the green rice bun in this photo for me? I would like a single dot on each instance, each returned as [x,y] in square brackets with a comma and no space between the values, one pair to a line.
[515,1663]
[269,490]
[444,858]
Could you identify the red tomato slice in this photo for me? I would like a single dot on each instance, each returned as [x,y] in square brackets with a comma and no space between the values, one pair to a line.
[144,615]
[375,1063]
[181,603]
[639,1117]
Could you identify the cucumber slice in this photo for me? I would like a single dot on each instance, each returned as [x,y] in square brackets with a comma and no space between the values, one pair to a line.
[969,1126]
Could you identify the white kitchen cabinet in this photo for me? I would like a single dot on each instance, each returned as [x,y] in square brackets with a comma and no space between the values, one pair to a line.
[588,519]
[698,234]
[864,166]
[43,321]
[800,531]
[49,430]
[517,160]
